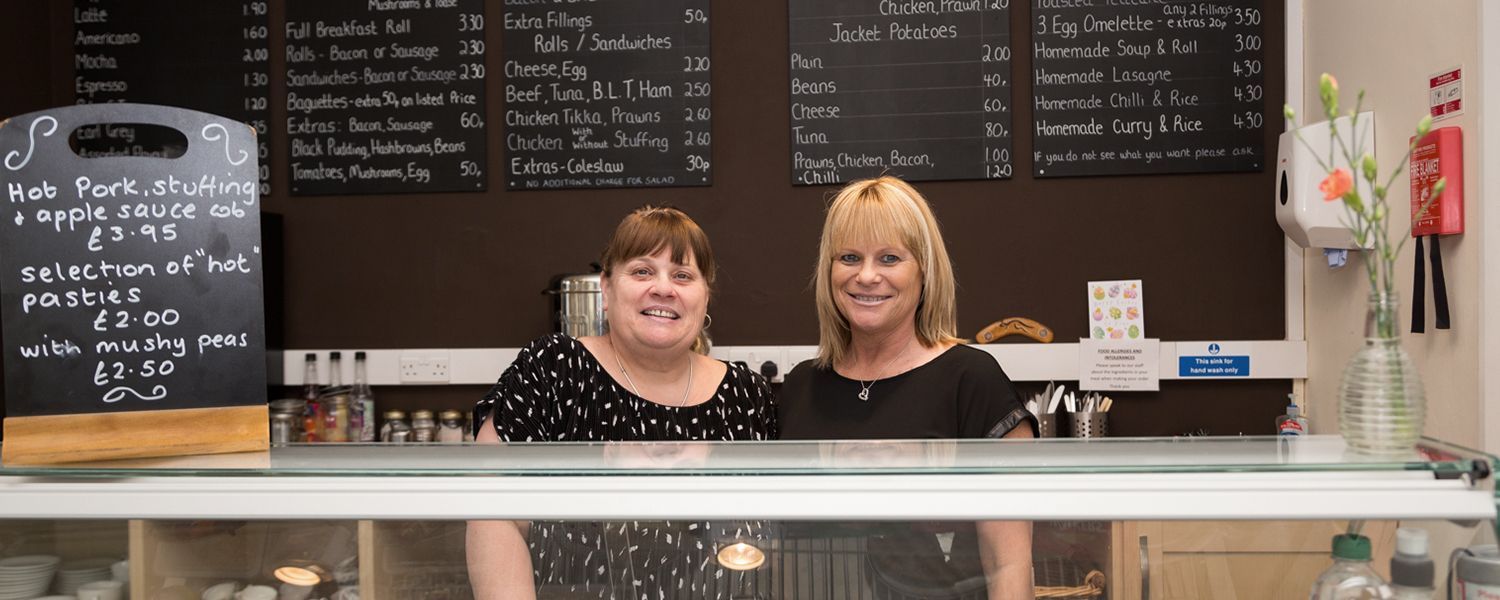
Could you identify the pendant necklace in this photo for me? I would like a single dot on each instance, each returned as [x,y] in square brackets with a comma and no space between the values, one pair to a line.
[864,388]
[637,392]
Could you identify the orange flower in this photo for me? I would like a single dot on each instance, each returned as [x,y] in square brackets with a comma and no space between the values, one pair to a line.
[1336,184]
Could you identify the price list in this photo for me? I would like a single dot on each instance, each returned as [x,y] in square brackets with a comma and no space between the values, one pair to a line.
[130,284]
[607,94]
[1147,87]
[206,56]
[919,89]
[385,96]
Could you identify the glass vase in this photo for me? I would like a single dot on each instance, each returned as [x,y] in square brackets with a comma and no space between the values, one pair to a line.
[1382,407]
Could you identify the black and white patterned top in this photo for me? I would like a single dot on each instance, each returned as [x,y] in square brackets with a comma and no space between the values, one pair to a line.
[556,390]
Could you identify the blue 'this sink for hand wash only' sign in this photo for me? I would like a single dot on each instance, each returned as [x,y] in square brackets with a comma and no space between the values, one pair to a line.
[1215,361]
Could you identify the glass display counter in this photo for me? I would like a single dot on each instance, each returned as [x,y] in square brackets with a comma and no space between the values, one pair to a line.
[1112,518]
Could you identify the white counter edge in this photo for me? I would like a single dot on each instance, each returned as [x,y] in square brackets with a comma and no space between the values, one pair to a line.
[1260,496]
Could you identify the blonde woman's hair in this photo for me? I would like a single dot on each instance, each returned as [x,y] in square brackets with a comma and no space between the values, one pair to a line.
[885,209]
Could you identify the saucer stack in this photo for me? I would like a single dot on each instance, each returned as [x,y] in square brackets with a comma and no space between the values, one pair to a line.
[24,577]
[75,573]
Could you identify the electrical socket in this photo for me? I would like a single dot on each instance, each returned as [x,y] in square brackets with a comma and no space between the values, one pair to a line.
[424,368]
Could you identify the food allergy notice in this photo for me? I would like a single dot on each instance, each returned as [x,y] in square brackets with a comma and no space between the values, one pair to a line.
[385,96]
[607,94]
[1148,86]
[919,89]
[130,283]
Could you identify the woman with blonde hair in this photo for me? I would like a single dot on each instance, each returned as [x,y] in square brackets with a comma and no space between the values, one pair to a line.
[890,366]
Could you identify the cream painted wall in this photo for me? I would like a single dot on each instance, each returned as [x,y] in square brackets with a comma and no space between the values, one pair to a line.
[1389,48]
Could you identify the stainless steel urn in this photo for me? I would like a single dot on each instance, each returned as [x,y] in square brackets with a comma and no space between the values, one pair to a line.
[581,305]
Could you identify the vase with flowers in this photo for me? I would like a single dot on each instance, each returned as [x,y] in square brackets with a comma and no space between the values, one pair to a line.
[1382,405]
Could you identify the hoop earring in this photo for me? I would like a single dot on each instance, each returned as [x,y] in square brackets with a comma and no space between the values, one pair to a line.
[710,319]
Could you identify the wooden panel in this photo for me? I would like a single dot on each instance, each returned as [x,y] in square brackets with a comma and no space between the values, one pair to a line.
[53,439]
[1234,576]
[416,559]
[1237,560]
[1251,536]
[369,555]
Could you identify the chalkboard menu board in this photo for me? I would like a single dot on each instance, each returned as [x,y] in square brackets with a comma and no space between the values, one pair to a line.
[128,283]
[919,89]
[1147,87]
[385,96]
[607,94]
[208,56]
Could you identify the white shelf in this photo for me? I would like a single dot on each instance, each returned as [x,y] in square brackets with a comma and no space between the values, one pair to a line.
[1268,359]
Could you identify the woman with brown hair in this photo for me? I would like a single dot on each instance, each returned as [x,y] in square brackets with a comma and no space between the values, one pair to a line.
[641,381]
[890,366]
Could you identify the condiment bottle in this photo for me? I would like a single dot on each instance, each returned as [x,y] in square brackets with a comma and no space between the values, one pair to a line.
[423,428]
[1292,423]
[450,426]
[363,404]
[336,418]
[1411,567]
[312,419]
[395,430]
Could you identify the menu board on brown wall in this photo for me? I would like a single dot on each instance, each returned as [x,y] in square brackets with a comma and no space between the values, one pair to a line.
[916,88]
[607,94]
[1147,87]
[206,56]
[130,284]
[385,96]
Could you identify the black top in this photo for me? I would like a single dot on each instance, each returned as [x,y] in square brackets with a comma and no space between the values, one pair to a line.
[962,393]
[556,391]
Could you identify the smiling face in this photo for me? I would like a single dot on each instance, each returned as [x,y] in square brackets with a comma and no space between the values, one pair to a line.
[876,287]
[656,302]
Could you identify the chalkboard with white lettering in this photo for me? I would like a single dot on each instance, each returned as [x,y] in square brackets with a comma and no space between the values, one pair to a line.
[1147,87]
[208,56]
[919,89]
[129,283]
[607,94]
[385,96]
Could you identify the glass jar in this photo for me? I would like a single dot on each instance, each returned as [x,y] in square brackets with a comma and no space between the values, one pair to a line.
[293,409]
[423,428]
[284,429]
[395,430]
[335,418]
[450,427]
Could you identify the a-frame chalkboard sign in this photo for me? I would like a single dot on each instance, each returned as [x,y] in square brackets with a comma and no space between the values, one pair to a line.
[130,289]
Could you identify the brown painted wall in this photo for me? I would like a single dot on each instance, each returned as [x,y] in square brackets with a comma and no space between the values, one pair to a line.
[466,270]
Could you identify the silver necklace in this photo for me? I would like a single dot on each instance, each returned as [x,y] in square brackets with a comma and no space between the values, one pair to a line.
[637,392]
[864,388]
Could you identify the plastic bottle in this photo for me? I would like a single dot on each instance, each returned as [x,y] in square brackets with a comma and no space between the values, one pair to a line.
[1411,567]
[1350,577]
[1291,423]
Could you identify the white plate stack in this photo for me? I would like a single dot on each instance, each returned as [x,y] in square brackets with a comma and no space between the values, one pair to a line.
[78,572]
[24,577]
